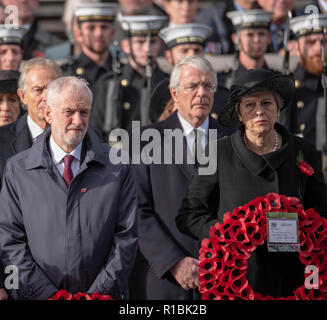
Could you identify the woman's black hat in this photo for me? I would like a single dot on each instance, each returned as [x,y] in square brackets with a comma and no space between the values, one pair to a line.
[9,81]
[249,82]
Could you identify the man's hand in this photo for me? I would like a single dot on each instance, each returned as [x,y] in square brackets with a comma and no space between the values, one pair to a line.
[186,273]
[3,294]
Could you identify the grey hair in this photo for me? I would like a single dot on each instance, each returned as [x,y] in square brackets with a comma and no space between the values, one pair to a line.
[196,62]
[36,63]
[56,87]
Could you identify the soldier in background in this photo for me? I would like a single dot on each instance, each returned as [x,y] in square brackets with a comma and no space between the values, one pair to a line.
[95,32]
[251,38]
[309,101]
[11,48]
[182,41]
[214,16]
[69,49]
[36,40]
[279,20]
[133,8]
[181,11]
[120,97]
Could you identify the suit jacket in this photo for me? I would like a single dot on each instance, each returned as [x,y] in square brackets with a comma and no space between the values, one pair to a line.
[161,188]
[76,238]
[242,175]
[14,138]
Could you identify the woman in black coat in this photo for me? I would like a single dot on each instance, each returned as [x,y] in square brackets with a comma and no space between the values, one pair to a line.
[259,158]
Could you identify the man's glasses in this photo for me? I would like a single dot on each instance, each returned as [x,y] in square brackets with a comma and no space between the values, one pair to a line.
[193,87]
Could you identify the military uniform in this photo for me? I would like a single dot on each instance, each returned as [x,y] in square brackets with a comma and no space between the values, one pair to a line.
[243,20]
[304,118]
[84,67]
[36,40]
[125,97]
[214,16]
[130,84]
[302,114]
[227,77]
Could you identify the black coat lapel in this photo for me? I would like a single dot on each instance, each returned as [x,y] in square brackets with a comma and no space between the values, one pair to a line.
[173,123]
[23,138]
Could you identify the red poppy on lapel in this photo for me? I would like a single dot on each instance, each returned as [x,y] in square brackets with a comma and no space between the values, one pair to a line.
[304,166]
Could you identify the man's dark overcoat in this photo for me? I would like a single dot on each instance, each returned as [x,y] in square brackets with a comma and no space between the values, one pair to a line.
[82,238]
[161,189]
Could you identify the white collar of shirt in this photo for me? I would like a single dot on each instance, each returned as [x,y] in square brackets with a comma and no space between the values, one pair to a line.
[58,155]
[188,129]
[34,128]
[323,5]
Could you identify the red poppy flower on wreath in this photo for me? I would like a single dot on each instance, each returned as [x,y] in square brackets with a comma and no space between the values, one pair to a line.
[62,295]
[224,256]
[97,296]
[304,166]
[65,295]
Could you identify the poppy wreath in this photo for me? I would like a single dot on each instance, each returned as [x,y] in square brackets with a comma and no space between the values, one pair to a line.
[65,295]
[224,255]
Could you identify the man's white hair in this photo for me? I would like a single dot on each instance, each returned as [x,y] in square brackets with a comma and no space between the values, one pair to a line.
[196,62]
[55,88]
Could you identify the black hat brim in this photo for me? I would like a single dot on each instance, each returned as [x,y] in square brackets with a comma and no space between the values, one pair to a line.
[282,84]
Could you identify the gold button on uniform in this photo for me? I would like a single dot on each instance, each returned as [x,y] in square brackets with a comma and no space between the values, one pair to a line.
[302,127]
[300,104]
[214,115]
[126,105]
[124,82]
[79,71]
[297,83]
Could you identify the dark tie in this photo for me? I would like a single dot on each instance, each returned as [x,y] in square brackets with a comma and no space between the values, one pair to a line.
[198,149]
[68,173]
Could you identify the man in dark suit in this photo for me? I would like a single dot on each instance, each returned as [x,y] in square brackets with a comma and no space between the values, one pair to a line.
[166,266]
[58,225]
[32,84]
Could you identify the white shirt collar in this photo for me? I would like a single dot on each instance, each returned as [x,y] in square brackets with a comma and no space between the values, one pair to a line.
[58,154]
[188,128]
[34,128]
[323,5]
